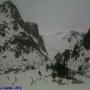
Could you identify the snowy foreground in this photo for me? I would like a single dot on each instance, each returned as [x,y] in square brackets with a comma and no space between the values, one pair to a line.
[30,80]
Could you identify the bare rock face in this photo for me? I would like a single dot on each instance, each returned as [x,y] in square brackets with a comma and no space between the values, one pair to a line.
[86,40]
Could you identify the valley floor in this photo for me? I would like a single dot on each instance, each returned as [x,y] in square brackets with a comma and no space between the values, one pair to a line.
[31,80]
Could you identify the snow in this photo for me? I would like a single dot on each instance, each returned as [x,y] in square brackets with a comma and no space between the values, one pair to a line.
[74,64]
[34,58]
[59,42]
[30,80]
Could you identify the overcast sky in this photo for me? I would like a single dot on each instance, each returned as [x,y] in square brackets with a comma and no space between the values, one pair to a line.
[56,15]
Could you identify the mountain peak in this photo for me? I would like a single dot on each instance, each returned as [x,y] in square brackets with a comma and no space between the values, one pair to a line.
[19,40]
[8,3]
[74,33]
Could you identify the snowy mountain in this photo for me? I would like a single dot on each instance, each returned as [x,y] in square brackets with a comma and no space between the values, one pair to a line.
[80,57]
[21,46]
[43,62]
[74,62]
[61,41]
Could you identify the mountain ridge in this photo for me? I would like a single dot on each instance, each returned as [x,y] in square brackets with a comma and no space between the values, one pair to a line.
[19,39]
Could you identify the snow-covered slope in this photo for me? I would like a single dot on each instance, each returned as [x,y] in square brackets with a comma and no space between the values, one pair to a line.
[80,57]
[75,61]
[61,41]
[24,54]
[21,46]
[30,80]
